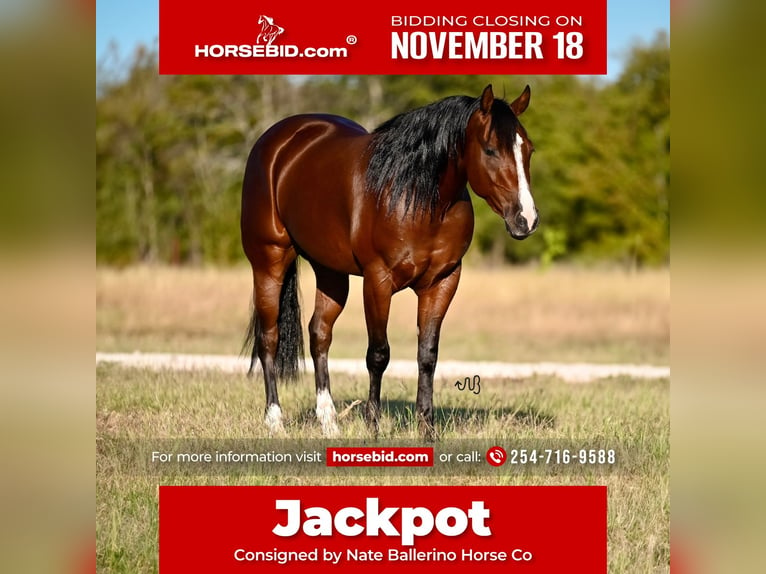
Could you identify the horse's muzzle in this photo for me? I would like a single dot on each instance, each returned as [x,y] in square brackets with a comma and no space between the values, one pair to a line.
[519,228]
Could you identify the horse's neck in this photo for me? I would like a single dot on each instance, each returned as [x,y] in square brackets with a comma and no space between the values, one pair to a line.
[453,183]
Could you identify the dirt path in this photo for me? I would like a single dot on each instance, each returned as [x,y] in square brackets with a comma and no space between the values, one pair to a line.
[570,372]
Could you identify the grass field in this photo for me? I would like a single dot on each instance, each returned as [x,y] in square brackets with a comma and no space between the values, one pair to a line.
[558,315]
[519,315]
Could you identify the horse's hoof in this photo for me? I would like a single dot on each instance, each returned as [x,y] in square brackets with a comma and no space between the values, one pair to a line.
[428,432]
[373,427]
[326,415]
[330,429]
[274,420]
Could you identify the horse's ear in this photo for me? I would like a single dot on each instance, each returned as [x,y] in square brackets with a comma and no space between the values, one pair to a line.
[487,97]
[520,104]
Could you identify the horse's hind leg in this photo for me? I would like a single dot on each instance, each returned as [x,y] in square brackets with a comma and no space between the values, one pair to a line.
[269,268]
[331,296]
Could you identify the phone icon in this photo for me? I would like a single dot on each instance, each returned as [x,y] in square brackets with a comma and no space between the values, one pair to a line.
[496,456]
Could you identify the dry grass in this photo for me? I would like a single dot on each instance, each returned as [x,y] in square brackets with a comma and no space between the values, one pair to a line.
[510,314]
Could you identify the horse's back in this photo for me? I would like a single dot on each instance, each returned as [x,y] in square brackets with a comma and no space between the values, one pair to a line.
[302,178]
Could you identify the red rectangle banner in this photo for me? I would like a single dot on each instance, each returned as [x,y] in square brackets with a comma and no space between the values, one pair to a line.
[395,37]
[332,529]
[375,456]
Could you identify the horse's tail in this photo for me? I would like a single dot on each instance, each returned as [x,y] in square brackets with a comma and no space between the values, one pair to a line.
[289,355]
[290,347]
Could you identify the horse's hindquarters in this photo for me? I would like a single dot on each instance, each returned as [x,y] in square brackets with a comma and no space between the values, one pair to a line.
[319,192]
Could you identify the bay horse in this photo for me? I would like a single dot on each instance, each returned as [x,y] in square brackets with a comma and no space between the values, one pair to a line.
[391,206]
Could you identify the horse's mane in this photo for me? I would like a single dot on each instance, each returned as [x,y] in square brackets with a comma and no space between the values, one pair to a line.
[410,152]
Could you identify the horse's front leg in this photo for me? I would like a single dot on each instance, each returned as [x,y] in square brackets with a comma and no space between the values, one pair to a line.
[433,303]
[377,289]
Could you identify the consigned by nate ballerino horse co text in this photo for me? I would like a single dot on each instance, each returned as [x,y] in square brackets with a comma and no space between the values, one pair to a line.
[415,522]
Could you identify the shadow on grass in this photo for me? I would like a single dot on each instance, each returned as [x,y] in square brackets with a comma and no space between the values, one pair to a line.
[456,418]
[402,417]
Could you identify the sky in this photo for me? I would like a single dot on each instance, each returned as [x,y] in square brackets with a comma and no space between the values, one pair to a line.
[134,22]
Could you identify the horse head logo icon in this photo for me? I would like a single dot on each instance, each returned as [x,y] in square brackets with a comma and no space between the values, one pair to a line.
[269,30]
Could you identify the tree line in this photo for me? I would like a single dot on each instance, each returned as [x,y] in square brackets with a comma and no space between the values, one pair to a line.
[171,150]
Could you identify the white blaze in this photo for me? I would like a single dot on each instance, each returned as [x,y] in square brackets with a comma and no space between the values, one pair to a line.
[525,194]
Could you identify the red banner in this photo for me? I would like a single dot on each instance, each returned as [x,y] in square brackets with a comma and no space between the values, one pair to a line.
[332,529]
[394,37]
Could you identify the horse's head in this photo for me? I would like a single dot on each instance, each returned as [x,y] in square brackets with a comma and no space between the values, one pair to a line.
[497,152]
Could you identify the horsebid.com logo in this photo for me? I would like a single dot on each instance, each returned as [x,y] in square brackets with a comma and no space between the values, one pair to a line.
[265,47]
[269,30]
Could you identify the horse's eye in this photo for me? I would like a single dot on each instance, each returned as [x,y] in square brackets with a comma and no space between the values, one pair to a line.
[490,151]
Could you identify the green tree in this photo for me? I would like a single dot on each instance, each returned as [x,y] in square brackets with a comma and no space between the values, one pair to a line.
[170,152]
